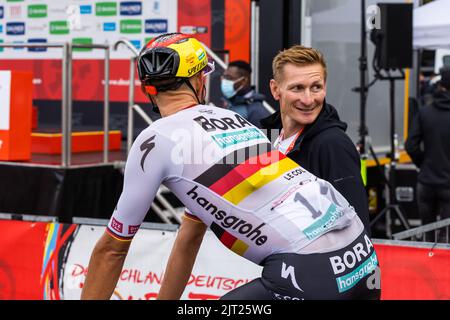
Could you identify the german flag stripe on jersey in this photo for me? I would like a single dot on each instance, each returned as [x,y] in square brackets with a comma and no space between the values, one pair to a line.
[230,241]
[116,236]
[259,179]
[231,161]
[237,181]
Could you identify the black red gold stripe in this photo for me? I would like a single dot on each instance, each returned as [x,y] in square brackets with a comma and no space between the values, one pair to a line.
[229,162]
[230,241]
[116,236]
[236,181]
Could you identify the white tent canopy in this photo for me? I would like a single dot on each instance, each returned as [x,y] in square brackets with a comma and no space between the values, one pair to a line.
[432,25]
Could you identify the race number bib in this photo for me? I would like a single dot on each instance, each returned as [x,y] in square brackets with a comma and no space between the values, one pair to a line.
[319,207]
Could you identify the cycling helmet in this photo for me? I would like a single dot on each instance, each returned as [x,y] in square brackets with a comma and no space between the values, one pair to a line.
[169,60]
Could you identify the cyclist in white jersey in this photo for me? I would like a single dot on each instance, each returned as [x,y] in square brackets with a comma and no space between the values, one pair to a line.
[259,203]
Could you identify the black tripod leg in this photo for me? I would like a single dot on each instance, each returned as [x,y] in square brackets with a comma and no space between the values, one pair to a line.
[379,216]
[402,218]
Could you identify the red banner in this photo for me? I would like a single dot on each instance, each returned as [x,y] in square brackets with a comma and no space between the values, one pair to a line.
[414,273]
[21,256]
[33,256]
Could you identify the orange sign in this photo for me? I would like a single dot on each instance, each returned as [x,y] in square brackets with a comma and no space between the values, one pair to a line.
[15,115]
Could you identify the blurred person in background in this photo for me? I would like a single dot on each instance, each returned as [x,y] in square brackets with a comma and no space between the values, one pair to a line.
[239,95]
[428,145]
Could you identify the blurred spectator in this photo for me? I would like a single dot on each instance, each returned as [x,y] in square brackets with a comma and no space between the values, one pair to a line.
[428,145]
[427,87]
[239,95]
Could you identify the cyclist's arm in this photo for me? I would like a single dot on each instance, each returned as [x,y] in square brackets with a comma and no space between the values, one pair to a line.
[182,258]
[147,165]
[104,268]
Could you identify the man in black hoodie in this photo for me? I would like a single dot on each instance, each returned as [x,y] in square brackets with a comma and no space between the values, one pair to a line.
[311,131]
[428,145]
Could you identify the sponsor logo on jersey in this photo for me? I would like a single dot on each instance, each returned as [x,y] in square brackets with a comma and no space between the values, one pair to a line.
[325,223]
[229,222]
[361,251]
[133,229]
[156,26]
[59,27]
[289,272]
[225,140]
[130,26]
[116,225]
[130,8]
[146,147]
[222,124]
[293,174]
[15,28]
[208,111]
[85,9]
[37,40]
[37,11]
[106,9]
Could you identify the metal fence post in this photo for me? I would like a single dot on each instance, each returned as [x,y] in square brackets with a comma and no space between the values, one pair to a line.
[106,109]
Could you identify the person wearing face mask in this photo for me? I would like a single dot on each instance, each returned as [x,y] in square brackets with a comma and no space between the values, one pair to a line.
[311,132]
[239,95]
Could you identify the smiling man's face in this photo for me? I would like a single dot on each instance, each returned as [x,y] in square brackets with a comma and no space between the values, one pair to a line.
[301,91]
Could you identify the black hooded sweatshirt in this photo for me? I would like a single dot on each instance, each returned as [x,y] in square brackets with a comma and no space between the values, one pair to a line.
[431,126]
[325,150]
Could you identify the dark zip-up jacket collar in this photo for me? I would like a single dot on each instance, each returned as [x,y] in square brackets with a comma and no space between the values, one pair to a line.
[442,100]
[328,118]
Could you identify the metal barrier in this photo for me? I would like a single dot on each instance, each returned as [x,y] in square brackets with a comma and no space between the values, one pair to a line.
[66,118]
[255,43]
[130,125]
[27,217]
[419,232]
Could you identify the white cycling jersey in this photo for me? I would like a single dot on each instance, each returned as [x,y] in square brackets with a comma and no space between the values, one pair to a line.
[224,170]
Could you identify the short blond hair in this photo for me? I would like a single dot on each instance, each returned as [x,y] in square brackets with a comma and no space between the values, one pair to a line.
[300,56]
